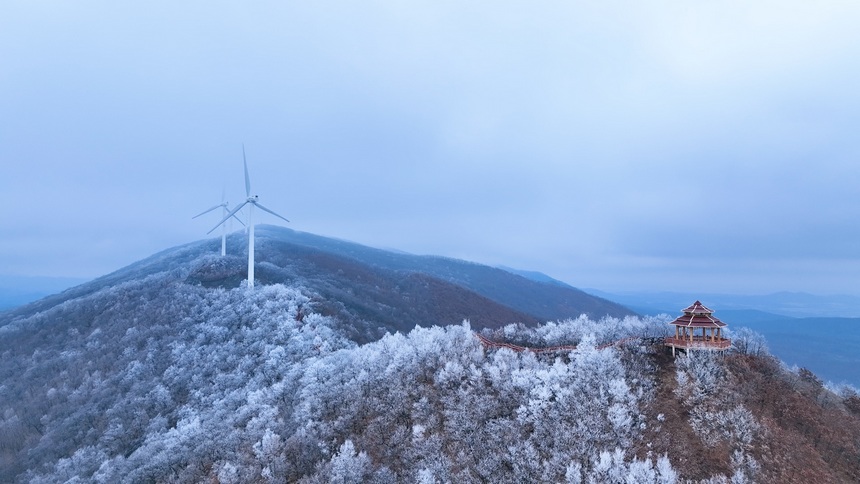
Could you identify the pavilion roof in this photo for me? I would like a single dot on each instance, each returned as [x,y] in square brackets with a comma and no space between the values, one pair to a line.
[697,308]
[698,316]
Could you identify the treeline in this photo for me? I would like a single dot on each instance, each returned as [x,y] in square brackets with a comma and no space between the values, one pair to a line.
[160,380]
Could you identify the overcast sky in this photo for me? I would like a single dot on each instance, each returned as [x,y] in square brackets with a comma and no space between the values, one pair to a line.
[618,145]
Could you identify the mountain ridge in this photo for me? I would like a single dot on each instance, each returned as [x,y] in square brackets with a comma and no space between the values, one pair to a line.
[334,267]
[173,370]
[523,294]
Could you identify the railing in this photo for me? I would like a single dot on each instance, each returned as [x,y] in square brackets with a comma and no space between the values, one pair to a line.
[544,349]
[699,342]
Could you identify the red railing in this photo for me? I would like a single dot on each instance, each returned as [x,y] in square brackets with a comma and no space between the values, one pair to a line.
[699,342]
[488,343]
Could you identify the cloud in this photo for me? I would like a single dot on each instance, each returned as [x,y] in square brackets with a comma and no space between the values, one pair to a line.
[572,137]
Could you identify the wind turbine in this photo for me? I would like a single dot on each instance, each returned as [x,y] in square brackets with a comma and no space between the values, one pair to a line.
[251,201]
[225,213]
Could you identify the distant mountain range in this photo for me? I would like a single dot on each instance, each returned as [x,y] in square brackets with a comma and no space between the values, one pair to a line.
[821,333]
[791,304]
[18,290]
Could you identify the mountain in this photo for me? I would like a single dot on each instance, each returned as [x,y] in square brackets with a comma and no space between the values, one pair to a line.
[373,291]
[544,300]
[171,370]
[535,276]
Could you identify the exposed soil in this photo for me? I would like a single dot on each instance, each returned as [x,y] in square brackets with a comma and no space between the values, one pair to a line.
[808,433]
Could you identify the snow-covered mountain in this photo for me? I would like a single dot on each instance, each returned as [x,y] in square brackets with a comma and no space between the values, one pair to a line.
[171,371]
[373,291]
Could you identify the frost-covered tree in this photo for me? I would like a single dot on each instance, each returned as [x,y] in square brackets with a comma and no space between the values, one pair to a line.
[748,342]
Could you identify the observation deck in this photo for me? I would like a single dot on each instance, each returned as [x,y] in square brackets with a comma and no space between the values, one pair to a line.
[698,329]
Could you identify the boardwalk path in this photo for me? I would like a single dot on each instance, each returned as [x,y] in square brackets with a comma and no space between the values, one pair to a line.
[546,349]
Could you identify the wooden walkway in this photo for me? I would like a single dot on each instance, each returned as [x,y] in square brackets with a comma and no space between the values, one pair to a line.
[488,343]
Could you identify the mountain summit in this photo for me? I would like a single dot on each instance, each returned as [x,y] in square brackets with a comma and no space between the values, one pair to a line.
[172,370]
[373,291]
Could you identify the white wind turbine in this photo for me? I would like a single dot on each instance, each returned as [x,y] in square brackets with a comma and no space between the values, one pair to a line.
[226,214]
[252,202]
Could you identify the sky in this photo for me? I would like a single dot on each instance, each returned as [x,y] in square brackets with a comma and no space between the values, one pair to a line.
[618,145]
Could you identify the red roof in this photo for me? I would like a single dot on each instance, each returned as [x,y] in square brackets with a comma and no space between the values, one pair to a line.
[697,308]
[698,316]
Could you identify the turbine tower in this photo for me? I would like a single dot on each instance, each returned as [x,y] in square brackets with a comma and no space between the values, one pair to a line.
[225,213]
[251,201]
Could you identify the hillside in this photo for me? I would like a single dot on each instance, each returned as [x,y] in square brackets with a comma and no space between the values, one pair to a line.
[544,300]
[372,291]
[171,371]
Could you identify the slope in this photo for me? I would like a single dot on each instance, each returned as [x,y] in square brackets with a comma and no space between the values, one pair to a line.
[162,379]
[543,300]
[372,291]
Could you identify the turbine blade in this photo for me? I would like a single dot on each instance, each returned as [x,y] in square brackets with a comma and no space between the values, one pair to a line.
[207,211]
[247,178]
[238,219]
[232,212]
[271,212]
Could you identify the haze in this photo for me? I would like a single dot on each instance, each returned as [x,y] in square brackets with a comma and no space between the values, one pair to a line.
[615,145]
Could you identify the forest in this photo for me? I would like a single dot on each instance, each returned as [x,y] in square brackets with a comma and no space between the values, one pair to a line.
[162,379]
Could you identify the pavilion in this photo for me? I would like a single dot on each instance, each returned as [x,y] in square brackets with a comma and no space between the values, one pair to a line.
[698,329]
